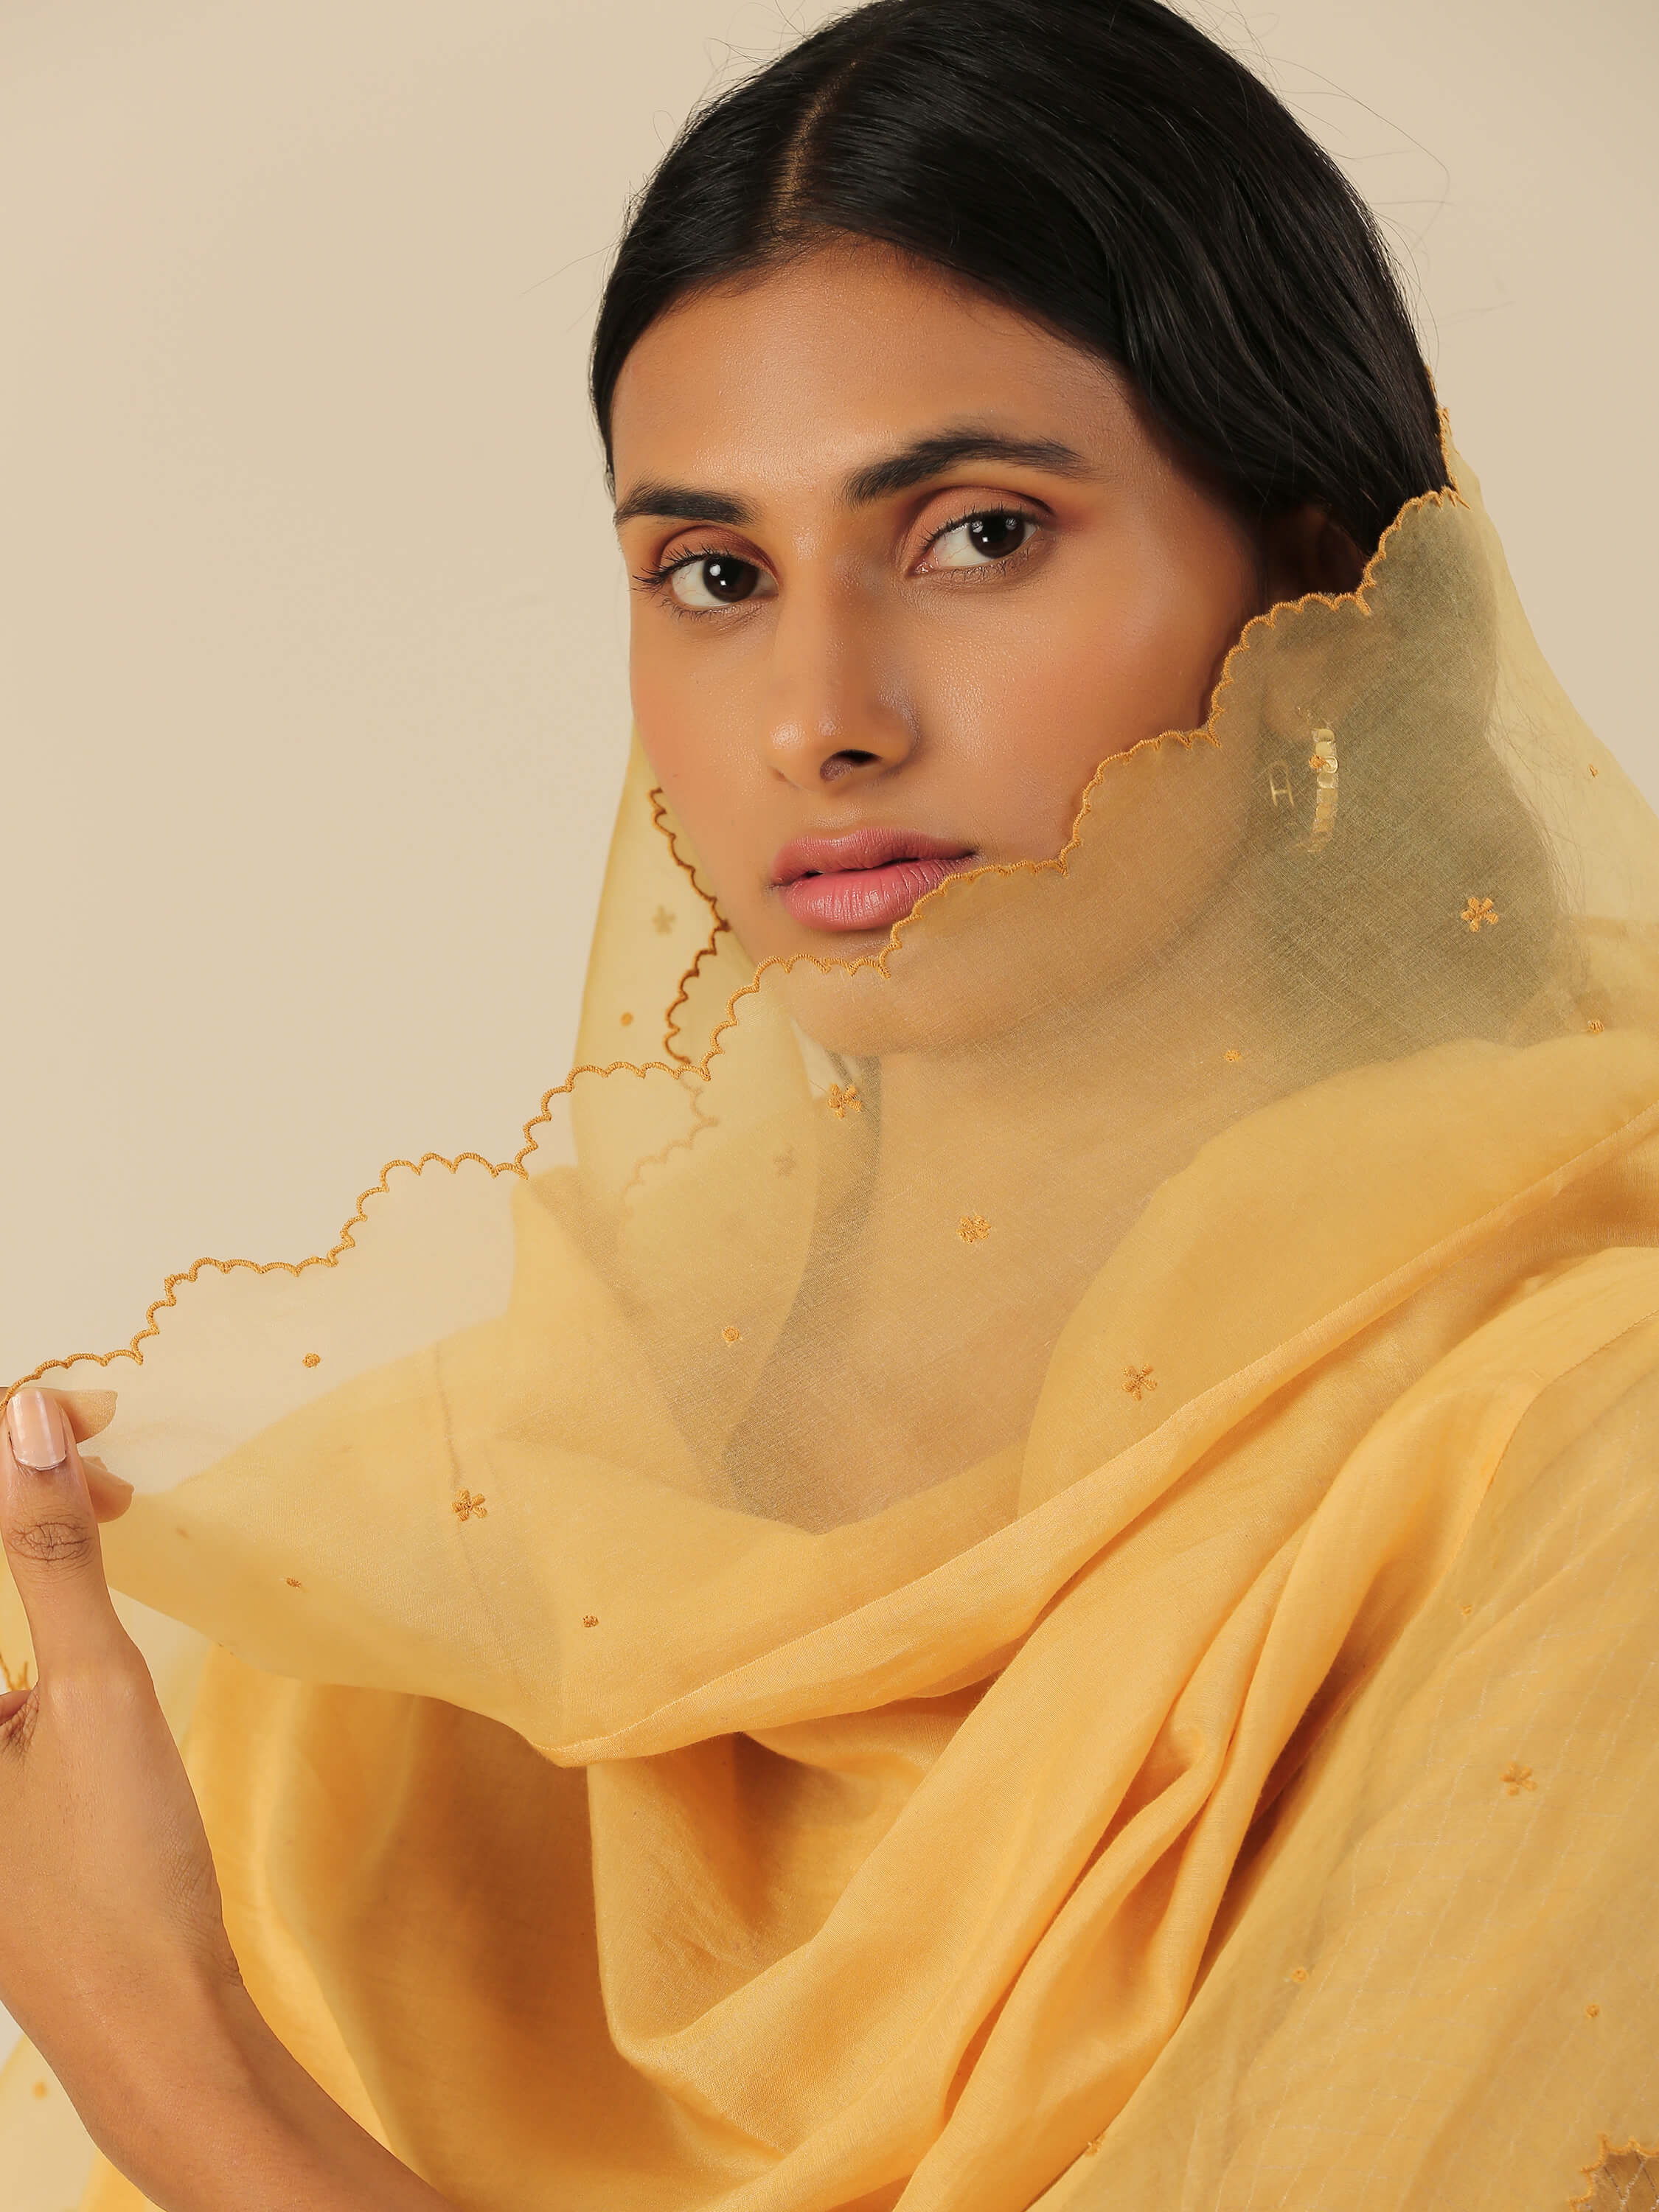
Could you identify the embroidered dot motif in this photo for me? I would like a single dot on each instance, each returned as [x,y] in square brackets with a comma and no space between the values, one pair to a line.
[973,1229]
[730,1333]
[312,1359]
[590,1620]
[1296,1974]
[626,1019]
[466,1505]
[662,921]
[1516,1778]
[1232,1055]
[39,2089]
[1137,1381]
[1594,1025]
[842,1103]
[1592,2011]
[1476,911]
[294,1582]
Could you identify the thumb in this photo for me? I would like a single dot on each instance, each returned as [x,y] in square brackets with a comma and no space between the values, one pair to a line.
[50,1532]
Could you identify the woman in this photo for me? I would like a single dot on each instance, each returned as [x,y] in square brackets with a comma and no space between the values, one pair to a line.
[1028,1580]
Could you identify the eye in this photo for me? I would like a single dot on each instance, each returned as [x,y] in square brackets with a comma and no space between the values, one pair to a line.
[980,538]
[714,580]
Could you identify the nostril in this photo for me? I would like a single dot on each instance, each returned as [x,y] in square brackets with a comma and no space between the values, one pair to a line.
[843,763]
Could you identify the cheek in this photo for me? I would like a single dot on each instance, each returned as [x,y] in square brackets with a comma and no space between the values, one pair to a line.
[1066,678]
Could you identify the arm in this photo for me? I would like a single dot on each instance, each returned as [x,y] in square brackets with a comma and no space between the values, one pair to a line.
[245,2129]
[113,1954]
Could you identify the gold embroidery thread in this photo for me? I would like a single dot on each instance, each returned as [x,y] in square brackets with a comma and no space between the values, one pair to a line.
[466,1504]
[842,1103]
[1516,1778]
[1137,1381]
[973,1229]
[1476,911]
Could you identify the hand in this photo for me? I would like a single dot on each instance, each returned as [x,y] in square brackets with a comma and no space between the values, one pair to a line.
[112,1943]
[113,1955]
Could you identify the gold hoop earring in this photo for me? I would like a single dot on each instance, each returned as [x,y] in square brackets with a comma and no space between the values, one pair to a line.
[1282,792]
[1322,761]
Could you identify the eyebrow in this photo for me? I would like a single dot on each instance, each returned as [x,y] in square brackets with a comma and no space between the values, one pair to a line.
[901,471]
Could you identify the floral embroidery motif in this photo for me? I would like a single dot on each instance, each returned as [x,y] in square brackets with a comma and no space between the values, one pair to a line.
[590,1620]
[466,1504]
[730,1333]
[294,1582]
[1296,1974]
[839,1102]
[20,1681]
[1516,1778]
[1137,1381]
[1477,911]
[662,921]
[312,1359]
[1232,1054]
[626,1019]
[1594,1025]
[973,1229]
[1592,2012]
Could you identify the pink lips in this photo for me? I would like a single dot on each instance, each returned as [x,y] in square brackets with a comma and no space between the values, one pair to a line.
[866,879]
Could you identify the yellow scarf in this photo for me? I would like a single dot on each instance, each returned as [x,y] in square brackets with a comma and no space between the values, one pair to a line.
[644,1774]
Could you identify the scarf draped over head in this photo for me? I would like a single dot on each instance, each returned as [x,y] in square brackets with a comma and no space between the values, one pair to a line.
[1021,1572]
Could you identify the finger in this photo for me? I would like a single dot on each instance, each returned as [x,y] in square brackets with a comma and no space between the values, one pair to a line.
[112,1494]
[49,1532]
[88,1411]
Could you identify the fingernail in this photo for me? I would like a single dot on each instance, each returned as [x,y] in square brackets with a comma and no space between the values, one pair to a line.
[39,1438]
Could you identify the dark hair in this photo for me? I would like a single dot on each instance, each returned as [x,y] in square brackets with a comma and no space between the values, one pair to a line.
[1103,167]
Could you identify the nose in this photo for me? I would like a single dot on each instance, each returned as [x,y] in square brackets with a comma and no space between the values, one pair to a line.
[835,708]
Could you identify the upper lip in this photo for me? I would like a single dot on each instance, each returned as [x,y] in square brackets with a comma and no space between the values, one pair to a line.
[870,847]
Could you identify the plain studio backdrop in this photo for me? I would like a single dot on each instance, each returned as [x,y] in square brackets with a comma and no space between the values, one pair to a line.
[313,632]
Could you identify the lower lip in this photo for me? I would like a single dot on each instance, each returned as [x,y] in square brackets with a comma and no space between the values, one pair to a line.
[867,898]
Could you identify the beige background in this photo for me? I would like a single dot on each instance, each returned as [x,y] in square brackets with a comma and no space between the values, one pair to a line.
[312,634]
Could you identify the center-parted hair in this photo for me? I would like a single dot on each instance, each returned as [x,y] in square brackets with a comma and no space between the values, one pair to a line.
[1103,167]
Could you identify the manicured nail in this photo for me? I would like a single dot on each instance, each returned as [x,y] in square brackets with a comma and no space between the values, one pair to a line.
[36,1427]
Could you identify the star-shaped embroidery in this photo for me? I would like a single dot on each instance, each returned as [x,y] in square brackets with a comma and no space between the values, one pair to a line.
[1477,911]
[841,1102]
[1516,1778]
[466,1504]
[1137,1381]
[662,921]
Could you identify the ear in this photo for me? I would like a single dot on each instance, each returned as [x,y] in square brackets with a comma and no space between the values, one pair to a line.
[1305,551]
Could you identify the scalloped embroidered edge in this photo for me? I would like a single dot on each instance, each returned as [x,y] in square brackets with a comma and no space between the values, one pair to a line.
[1258,626]
[721,927]
[1608,2149]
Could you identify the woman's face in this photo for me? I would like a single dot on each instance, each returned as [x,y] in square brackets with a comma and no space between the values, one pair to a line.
[907,568]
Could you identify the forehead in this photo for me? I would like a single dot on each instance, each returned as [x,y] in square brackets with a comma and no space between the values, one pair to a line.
[796,375]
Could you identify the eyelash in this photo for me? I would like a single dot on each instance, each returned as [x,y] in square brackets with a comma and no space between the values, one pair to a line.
[656,580]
